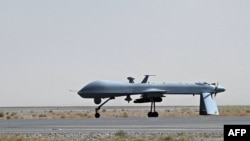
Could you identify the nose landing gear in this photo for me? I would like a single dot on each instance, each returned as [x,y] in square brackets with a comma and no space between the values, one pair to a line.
[97,114]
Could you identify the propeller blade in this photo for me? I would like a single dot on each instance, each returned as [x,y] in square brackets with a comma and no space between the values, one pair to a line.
[215,89]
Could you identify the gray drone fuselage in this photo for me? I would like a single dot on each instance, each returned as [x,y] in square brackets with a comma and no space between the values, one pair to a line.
[109,88]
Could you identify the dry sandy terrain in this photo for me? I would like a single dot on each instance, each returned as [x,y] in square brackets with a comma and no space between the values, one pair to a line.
[9,113]
[112,112]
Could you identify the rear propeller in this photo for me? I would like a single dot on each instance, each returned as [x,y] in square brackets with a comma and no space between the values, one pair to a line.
[215,88]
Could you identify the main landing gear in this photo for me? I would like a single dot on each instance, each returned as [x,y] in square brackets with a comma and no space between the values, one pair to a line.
[97,114]
[154,113]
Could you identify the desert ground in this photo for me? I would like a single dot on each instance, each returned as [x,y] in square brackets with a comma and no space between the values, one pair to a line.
[112,112]
[13,113]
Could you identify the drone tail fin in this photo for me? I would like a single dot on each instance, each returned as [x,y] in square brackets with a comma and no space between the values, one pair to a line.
[207,105]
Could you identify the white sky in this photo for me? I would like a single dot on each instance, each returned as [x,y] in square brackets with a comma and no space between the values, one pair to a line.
[48,47]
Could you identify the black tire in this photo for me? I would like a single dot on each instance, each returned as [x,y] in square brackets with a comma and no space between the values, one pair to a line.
[155,114]
[97,115]
[150,114]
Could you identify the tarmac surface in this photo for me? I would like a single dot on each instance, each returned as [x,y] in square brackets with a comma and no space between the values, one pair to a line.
[202,124]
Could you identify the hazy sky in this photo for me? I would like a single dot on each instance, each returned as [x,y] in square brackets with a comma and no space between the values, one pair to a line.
[48,47]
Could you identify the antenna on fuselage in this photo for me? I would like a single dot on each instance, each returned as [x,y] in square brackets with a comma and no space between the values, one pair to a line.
[145,80]
[131,79]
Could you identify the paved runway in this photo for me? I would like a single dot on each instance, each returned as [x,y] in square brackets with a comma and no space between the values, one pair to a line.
[203,124]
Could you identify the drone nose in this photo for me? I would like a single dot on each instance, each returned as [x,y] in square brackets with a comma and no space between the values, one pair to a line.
[80,93]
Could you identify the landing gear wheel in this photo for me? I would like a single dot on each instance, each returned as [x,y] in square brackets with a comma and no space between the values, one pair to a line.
[97,115]
[150,114]
[154,114]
